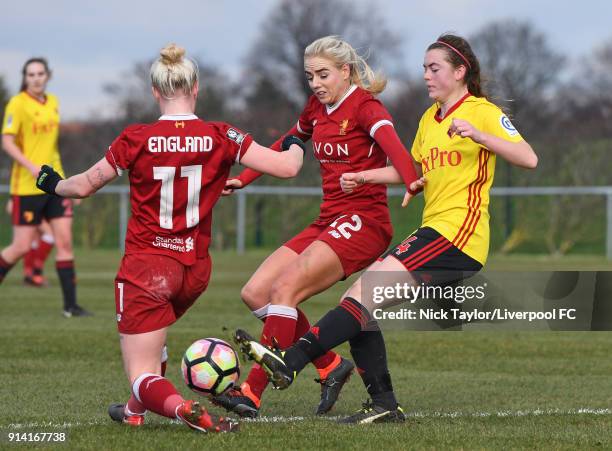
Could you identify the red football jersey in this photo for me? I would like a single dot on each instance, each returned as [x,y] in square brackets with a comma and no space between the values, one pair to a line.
[342,140]
[177,170]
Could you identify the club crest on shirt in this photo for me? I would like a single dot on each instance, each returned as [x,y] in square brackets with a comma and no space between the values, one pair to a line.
[507,125]
[234,135]
[343,127]
[179,124]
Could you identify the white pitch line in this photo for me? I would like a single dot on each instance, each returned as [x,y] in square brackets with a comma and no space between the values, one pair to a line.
[294,419]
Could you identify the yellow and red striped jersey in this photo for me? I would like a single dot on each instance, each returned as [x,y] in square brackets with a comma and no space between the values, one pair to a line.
[460,172]
[35,125]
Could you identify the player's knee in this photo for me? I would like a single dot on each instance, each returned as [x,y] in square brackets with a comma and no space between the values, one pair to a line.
[282,292]
[253,296]
[63,247]
[20,248]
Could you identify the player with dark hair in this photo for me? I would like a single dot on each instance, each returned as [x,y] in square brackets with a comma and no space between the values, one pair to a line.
[177,167]
[351,130]
[457,142]
[29,136]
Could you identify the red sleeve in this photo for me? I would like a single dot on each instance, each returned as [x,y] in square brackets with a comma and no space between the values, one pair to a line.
[389,142]
[236,141]
[376,120]
[122,153]
[373,115]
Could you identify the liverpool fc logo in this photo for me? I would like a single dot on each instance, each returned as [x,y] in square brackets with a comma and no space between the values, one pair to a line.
[343,127]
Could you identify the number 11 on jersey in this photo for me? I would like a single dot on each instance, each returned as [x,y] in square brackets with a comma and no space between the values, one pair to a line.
[166,175]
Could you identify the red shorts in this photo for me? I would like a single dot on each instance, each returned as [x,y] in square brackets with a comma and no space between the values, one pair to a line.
[356,239]
[153,291]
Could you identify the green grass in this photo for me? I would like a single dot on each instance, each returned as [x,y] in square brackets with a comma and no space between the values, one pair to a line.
[463,390]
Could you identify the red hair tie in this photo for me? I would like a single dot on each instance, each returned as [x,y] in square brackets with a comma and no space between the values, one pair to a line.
[457,52]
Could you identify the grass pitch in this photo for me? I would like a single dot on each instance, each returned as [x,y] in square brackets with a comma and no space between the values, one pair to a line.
[461,389]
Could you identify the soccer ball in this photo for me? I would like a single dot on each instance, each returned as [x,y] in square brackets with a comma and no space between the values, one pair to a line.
[210,366]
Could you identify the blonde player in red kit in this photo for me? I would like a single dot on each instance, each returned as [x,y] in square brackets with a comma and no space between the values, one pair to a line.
[177,167]
[351,131]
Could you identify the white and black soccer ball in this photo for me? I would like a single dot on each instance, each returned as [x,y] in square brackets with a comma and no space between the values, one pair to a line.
[210,366]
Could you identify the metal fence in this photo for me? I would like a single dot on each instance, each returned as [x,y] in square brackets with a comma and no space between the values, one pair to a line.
[242,199]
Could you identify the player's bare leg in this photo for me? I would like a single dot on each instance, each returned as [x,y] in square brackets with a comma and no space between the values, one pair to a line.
[22,241]
[21,244]
[256,292]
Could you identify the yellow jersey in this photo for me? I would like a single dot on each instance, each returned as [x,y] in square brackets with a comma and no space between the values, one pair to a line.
[459,172]
[35,125]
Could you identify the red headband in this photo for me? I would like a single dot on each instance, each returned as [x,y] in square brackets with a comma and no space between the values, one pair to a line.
[457,52]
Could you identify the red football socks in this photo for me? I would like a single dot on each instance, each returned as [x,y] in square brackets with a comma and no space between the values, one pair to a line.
[157,394]
[279,324]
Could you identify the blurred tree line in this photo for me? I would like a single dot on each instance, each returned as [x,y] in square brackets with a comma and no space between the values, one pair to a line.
[564,114]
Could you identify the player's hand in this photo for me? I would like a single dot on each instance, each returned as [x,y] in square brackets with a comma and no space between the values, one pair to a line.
[464,129]
[351,180]
[417,185]
[34,170]
[230,186]
[47,179]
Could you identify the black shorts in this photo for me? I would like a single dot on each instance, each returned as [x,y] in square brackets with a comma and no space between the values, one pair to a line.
[433,259]
[31,210]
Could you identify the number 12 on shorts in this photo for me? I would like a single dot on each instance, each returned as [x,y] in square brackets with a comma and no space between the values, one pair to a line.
[344,227]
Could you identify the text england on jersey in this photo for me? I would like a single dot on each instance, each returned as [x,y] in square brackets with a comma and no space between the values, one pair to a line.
[158,144]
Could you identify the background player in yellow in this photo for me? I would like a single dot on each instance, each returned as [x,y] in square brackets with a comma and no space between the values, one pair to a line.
[456,143]
[29,136]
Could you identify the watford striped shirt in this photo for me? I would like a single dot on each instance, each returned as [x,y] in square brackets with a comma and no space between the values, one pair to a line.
[460,172]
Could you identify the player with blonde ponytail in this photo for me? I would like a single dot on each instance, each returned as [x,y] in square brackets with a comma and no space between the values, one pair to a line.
[351,131]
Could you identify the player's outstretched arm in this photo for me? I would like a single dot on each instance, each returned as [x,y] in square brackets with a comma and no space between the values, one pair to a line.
[285,164]
[78,186]
[517,153]
[385,176]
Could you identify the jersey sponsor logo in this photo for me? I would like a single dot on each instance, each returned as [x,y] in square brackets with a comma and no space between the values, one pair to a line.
[44,127]
[343,126]
[507,125]
[337,153]
[440,158]
[162,144]
[174,244]
[235,135]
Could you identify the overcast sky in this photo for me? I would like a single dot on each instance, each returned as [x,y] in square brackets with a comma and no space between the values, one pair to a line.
[89,45]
